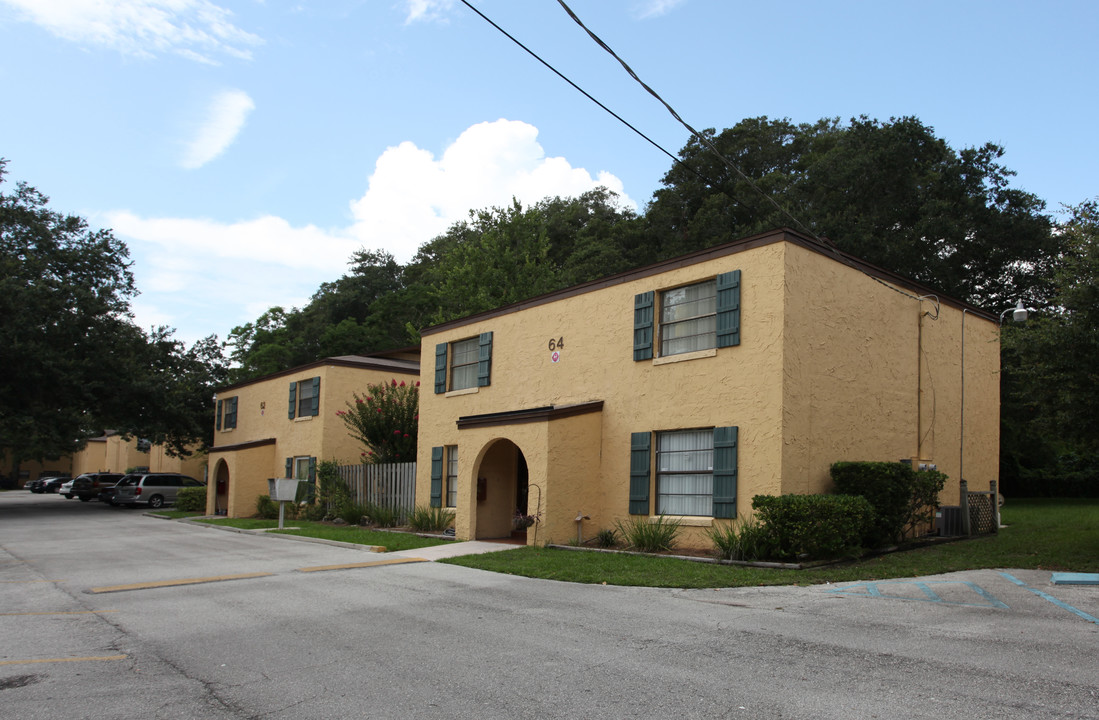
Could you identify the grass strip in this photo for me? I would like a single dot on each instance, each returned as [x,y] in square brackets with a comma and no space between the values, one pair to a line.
[391,541]
[1047,534]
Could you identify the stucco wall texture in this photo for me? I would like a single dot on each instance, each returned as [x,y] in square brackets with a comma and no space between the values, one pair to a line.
[265,436]
[832,365]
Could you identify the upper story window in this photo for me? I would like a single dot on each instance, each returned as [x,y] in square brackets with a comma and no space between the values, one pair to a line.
[227,414]
[463,364]
[688,318]
[305,398]
[701,316]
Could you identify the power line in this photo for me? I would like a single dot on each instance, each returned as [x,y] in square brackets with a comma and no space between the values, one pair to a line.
[694,133]
[586,94]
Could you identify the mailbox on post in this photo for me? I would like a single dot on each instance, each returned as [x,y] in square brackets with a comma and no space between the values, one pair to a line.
[282,491]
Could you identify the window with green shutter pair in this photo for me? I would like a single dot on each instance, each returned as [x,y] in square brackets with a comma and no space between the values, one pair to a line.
[305,398]
[226,414]
[463,364]
[693,317]
[696,472]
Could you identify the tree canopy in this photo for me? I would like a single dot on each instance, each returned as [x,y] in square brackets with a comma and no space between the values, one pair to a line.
[891,193]
[74,362]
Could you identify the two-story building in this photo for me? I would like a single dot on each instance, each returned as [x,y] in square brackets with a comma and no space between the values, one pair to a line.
[110,452]
[688,387]
[280,425]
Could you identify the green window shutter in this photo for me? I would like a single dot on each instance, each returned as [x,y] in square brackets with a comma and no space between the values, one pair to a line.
[293,399]
[289,467]
[640,472]
[725,472]
[437,476]
[484,360]
[315,408]
[643,326]
[728,309]
[217,417]
[440,368]
[312,469]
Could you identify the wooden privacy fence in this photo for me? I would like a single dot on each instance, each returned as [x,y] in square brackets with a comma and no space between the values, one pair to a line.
[390,486]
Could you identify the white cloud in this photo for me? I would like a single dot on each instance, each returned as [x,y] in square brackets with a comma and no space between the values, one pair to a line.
[225,119]
[196,29]
[203,276]
[426,10]
[413,197]
[655,8]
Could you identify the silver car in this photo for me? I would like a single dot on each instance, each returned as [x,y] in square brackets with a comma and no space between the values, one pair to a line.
[152,489]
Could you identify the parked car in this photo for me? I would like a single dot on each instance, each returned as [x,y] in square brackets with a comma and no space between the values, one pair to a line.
[38,486]
[53,484]
[90,485]
[66,488]
[152,489]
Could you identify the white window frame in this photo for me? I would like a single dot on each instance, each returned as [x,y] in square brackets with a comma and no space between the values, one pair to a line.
[450,476]
[683,312]
[470,347]
[690,468]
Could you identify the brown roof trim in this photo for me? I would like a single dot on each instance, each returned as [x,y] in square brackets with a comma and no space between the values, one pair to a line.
[401,367]
[539,414]
[242,446]
[699,256]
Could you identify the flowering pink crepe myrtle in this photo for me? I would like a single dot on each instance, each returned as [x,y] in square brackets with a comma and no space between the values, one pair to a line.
[384,420]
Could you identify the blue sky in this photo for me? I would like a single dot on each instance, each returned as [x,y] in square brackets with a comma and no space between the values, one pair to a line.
[244,149]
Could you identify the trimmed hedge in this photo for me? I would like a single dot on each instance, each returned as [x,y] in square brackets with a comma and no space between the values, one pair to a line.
[191,499]
[902,498]
[813,527]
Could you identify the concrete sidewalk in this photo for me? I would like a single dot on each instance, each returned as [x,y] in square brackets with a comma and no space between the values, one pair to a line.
[454,549]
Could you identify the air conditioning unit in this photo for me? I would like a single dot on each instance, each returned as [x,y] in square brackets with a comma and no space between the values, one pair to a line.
[948,518]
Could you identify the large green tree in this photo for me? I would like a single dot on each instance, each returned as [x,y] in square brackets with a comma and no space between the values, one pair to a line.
[73,362]
[1050,386]
[891,193]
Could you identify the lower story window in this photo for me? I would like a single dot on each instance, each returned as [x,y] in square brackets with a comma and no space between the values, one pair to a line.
[685,472]
[452,476]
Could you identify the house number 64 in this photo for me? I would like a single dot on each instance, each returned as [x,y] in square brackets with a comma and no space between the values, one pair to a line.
[558,344]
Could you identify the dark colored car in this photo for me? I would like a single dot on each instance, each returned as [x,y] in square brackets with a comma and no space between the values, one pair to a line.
[90,485]
[154,489]
[53,484]
[39,485]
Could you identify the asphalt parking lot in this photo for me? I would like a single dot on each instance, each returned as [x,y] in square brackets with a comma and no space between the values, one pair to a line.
[421,639]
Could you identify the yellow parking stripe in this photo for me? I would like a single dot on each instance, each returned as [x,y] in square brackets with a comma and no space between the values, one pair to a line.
[61,660]
[348,566]
[174,583]
[64,612]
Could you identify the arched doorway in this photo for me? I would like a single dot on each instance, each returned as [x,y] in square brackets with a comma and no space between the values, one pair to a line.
[502,483]
[221,483]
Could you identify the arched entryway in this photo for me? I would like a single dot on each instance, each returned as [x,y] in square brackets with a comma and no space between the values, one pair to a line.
[221,485]
[502,490]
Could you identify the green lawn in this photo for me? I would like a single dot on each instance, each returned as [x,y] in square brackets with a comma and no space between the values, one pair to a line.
[391,541]
[1049,534]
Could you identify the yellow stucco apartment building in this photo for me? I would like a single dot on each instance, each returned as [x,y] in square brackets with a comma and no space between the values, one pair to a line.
[688,387]
[280,425]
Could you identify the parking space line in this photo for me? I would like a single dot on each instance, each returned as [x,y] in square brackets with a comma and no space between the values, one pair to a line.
[875,590]
[348,566]
[63,612]
[1055,601]
[62,660]
[175,583]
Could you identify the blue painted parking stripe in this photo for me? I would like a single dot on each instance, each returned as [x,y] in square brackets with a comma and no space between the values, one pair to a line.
[1055,601]
[874,589]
